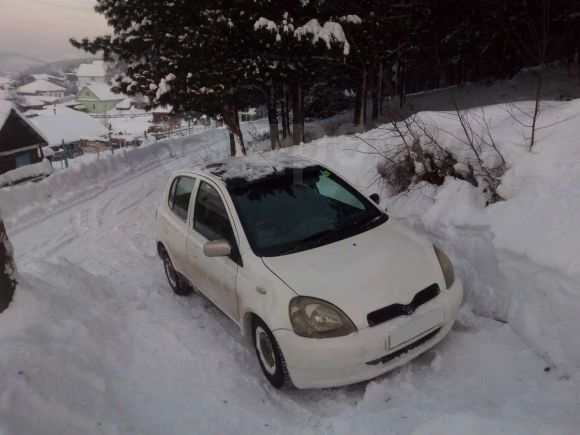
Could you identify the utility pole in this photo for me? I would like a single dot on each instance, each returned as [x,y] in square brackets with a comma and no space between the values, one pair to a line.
[7,269]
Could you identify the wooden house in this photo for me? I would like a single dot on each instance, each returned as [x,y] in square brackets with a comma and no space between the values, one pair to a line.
[20,140]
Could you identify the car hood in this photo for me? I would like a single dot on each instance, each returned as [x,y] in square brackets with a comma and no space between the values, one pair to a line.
[385,265]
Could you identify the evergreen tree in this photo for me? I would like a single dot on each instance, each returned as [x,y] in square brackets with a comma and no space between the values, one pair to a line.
[192,55]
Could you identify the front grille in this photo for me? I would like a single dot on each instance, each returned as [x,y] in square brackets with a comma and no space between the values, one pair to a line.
[406,349]
[392,311]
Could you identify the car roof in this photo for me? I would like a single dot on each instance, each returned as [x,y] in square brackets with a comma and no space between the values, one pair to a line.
[239,171]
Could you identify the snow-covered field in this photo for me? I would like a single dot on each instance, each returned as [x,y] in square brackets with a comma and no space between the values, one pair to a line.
[95,341]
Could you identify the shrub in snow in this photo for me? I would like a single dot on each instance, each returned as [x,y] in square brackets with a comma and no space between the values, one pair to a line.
[422,151]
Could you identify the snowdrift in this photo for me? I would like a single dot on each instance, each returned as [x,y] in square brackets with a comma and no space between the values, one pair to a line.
[28,172]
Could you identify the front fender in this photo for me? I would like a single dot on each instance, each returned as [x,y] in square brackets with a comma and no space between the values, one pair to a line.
[261,293]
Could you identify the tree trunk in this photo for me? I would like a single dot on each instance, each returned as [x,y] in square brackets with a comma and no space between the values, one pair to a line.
[357,106]
[375,110]
[287,107]
[232,122]
[380,81]
[402,85]
[7,269]
[298,115]
[232,145]
[363,110]
[273,119]
[536,109]
[283,107]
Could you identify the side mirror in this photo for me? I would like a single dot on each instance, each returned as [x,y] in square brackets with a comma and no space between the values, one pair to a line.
[376,198]
[217,248]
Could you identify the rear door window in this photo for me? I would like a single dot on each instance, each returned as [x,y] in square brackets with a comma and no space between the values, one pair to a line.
[180,196]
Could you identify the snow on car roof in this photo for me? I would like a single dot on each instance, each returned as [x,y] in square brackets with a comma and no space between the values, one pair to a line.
[244,170]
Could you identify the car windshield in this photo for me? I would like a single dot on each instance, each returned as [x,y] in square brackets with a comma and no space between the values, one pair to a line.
[301,210]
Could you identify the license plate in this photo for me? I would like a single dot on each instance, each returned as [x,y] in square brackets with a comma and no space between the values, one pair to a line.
[418,326]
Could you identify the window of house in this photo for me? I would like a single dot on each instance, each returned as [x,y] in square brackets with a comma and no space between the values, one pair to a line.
[22,160]
[180,195]
[211,218]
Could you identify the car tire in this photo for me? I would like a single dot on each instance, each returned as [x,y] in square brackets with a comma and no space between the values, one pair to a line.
[175,281]
[270,355]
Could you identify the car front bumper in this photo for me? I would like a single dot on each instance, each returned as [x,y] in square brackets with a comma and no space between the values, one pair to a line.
[332,362]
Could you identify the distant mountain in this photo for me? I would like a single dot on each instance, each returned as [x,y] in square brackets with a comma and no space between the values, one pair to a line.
[15,65]
[12,64]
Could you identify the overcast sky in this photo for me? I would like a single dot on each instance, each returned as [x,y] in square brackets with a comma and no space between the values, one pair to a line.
[42,28]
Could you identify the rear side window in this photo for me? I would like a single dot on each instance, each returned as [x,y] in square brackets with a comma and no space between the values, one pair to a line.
[211,218]
[180,195]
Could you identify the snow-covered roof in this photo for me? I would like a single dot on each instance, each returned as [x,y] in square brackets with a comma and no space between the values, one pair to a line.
[125,104]
[31,101]
[96,69]
[103,92]
[6,107]
[60,123]
[247,169]
[46,77]
[39,86]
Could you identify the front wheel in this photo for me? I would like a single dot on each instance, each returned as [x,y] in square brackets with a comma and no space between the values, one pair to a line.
[270,356]
[176,283]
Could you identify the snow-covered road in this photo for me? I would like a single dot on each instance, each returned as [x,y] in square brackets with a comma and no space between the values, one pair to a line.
[96,342]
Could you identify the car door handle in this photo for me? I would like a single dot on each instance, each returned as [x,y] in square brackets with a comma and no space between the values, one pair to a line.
[261,290]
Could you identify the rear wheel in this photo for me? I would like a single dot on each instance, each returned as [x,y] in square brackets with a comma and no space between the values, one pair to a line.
[270,355]
[176,283]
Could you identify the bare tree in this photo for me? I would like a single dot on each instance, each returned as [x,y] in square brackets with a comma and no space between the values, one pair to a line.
[533,45]
[415,153]
[7,269]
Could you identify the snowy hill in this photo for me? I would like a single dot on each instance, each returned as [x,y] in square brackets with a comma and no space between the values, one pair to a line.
[12,64]
[95,341]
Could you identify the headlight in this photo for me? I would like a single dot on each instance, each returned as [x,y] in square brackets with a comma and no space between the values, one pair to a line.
[315,318]
[446,267]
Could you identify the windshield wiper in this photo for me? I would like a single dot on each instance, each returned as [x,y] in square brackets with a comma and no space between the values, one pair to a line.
[371,223]
[309,242]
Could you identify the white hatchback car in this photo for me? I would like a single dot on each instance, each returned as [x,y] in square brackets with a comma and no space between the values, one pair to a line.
[328,289]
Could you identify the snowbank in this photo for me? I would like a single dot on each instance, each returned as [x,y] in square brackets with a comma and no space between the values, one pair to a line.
[27,172]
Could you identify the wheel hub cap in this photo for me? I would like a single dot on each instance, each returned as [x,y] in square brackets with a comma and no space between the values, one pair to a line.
[265,350]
